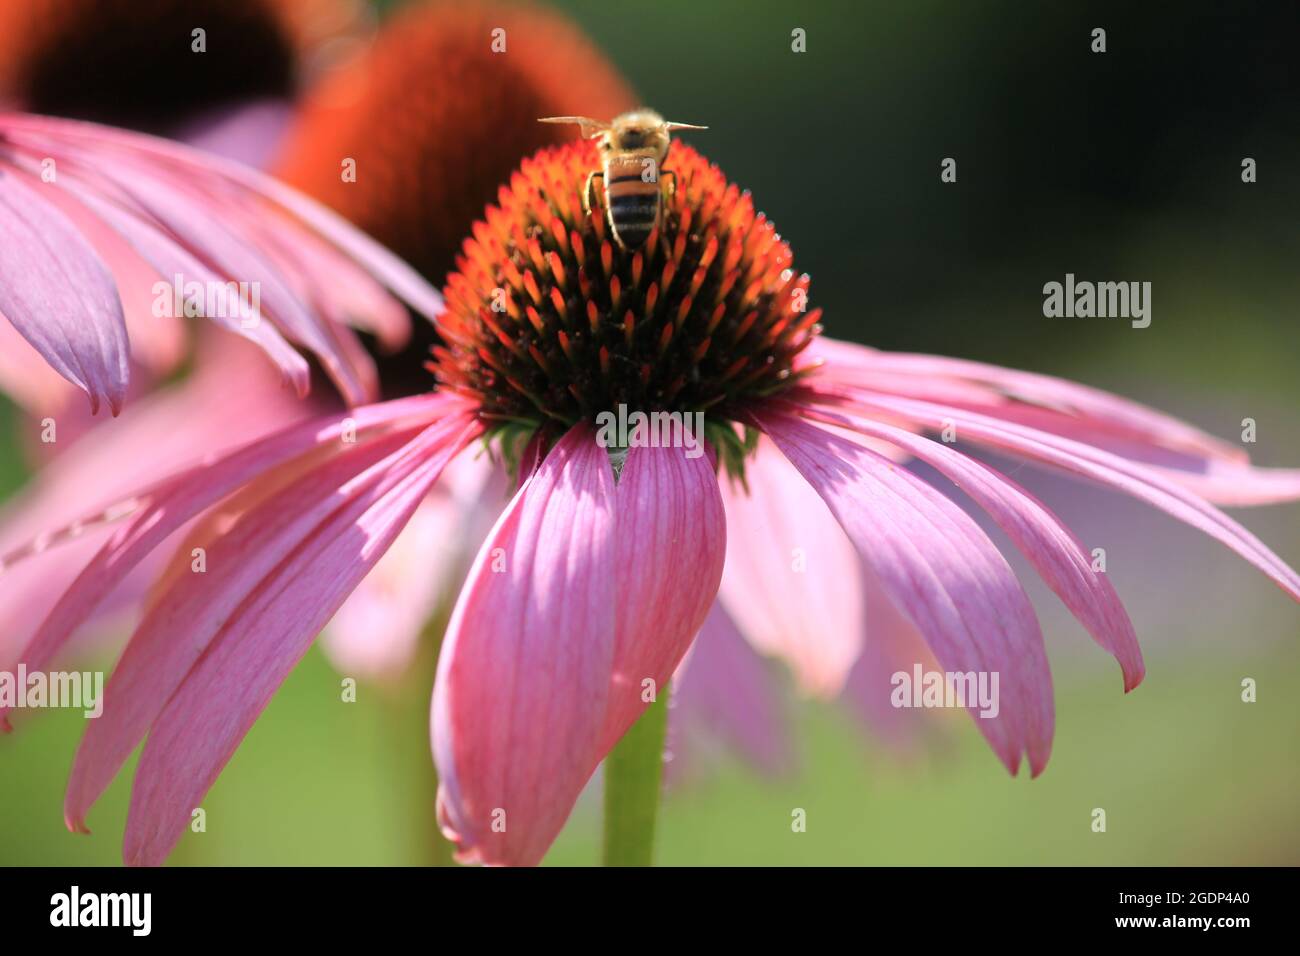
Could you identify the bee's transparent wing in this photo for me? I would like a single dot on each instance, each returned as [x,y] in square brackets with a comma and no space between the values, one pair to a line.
[588,126]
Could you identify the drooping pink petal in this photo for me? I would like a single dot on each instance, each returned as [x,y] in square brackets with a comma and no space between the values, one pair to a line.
[856,365]
[791,581]
[269,631]
[192,609]
[524,675]
[58,295]
[314,274]
[1233,485]
[166,505]
[184,211]
[723,688]
[103,202]
[1142,482]
[400,278]
[157,341]
[353,298]
[671,547]
[1209,467]
[599,591]
[160,434]
[1057,555]
[892,645]
[376,633]
[942,571]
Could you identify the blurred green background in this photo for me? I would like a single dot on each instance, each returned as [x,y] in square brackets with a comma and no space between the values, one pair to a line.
[1120,166]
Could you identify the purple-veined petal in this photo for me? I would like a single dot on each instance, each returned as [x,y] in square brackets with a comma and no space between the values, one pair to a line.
[192,608]
[59,295]
[269,632]
[723,687]
[1051,548]
[1142,482]
[158,510]
[942,571]
[671,547]
[524,675]
[791,581]
[400,278]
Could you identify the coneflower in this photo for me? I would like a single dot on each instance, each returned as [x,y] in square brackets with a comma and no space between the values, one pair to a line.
[590,588]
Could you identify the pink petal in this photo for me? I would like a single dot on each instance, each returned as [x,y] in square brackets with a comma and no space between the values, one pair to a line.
[193,608]
[261,637]
[186,213]
[165,506]
[168,258]
[892,644]
[942,571]
[1089,406]
[1063,562]
[377,631]
[671,547]
[722,687]
[155,436]
[247,133]
[368,254]
[157,342]
[1234,485]
[1142,482]
[1213,469]
[58,295]
[791,580]
[524,676]
[545,662]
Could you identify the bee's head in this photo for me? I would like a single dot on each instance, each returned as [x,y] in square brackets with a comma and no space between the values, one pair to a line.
[638,130]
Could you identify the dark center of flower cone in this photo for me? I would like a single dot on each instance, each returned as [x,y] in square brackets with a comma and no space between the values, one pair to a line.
[132,62]
[549,319]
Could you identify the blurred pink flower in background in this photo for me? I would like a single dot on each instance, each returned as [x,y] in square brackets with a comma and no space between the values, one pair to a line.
[120,203]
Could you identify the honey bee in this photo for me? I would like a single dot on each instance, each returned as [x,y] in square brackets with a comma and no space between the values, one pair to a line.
[633,146]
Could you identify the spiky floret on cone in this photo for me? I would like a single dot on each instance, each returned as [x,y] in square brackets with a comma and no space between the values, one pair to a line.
[550,320]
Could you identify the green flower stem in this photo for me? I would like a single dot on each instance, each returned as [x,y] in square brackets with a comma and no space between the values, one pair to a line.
[633,777]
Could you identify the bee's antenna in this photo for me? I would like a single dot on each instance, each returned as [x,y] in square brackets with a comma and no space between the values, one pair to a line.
[589,127]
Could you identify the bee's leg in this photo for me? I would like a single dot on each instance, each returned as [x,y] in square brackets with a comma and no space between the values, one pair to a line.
[668,172]
[586,190]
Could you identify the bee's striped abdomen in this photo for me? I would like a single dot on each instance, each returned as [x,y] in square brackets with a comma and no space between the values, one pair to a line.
[633,202]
